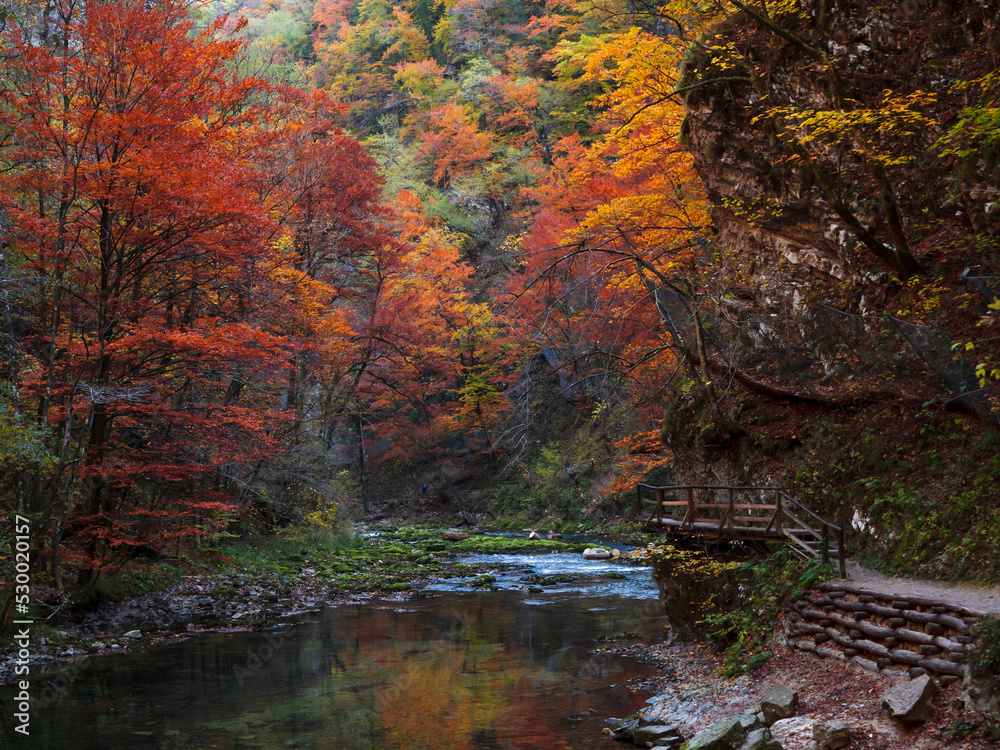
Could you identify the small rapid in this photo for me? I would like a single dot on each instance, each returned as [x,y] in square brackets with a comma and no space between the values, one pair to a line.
[562,574]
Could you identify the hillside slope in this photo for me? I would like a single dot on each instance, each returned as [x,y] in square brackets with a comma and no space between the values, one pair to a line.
[849,152]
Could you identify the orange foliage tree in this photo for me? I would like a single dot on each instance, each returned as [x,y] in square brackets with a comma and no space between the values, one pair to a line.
[421,338]
[612,223]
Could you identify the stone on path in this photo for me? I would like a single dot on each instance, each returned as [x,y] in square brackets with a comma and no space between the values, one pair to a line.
[780,702]
[727,734]
[829,735]
[761,739]
[909,703]
[752,721]
[795,733]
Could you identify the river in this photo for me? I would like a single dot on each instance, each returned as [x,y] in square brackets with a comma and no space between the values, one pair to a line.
[510,668]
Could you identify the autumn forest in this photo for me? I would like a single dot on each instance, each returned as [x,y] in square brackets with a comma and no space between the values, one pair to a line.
[263,262]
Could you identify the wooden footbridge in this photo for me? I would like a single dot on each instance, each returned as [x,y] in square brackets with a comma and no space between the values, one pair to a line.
[759,513]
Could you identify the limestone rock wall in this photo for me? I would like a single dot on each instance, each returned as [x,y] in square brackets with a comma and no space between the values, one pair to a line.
[773,218]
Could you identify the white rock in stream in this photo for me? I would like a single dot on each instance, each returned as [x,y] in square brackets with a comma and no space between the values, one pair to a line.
[596,553]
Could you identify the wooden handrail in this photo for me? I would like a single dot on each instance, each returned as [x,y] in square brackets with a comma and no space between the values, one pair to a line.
[797,504]
[815,542]
[703,487]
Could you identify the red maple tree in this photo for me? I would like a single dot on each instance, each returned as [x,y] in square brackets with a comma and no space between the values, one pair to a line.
[131,200]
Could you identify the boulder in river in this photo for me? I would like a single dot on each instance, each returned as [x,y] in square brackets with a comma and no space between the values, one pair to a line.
[657,735]
[596,553]
[624,729]
[637,730]
[909,703]
[534,535]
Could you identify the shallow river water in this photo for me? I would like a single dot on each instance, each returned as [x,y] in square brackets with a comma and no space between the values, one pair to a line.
[453,669]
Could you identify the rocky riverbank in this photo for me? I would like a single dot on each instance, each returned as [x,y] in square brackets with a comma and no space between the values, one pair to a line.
[690,698]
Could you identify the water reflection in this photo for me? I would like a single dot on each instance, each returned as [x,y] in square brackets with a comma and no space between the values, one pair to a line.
[453,671]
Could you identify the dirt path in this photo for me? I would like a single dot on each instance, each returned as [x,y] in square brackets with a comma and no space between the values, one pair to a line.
[983,598]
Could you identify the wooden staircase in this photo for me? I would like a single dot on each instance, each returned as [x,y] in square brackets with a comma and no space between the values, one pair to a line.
[742,513]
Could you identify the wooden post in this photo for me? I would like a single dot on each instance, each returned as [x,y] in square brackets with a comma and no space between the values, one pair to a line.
[659,508]
[732,509]
[690,507]
[637,508]
[825,550]
[777,512]
[842,553]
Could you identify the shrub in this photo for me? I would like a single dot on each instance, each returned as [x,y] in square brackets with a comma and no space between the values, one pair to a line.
[737,602]
[984,659]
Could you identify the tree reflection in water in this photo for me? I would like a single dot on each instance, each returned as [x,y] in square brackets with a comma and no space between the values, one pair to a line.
[460,671]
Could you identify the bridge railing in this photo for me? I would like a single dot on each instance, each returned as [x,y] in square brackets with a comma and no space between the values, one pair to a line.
[746,512]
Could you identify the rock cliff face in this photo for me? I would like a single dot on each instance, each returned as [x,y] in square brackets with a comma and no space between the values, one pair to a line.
[822,137]
[778,228]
